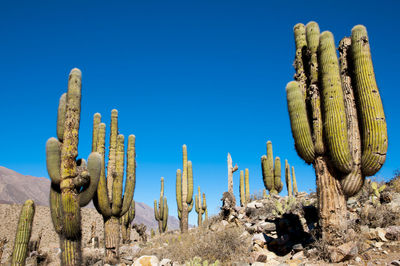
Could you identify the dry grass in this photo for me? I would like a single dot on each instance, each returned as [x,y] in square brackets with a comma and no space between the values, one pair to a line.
[225,246]
[394,183]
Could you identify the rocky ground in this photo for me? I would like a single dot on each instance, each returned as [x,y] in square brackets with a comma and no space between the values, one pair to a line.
[269,231]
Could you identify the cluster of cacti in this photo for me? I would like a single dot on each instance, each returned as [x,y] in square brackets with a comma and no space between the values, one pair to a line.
[282,207]
[200,207]
[244,187]
[271,172]
[126,223]
[184,191]
[197,261]
[376,192]
[336,115]
[231,170]
[161,212]
[23,234]
[73,182]
[290,178]
[109,200]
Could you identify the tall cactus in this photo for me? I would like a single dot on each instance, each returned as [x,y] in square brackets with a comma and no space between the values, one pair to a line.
[244,187]
[336,115]
[231,170]
[295,191]
[126,223]
[288,179]
[73,182]
[161,212]
[271,172]
[184,191]
[23,233]
[200,207]
[109,200]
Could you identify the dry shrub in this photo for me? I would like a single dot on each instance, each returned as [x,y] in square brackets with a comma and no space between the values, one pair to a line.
[379,216]
[225,246]
[394,183]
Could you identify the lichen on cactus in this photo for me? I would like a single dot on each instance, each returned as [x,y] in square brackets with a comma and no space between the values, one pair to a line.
[244,188]
[23,234]
[184,191]
[73,182]
[161,210]
[126,223]
[345,96]
[110,200]
[271,171]
[200,207]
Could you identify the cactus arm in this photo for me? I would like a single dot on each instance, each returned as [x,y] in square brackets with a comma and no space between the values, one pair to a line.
[299,122]
[118,177]
[156,214]
[294,182]
[189,197]
[55,208]
[268,185]
[23,233]
[112,153]
[190,207]
[288,179]
[185,175]
[196,200]
[62,109]
[247,187]
[95,134]
[53,159]
[334,109]
[94,168]
[277,175]
[301,43]
[179,189]
[165,216]
[374,128]
[241,189]
[130,174]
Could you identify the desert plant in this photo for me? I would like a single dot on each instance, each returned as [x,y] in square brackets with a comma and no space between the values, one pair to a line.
[109,200]
[73,182]
[206,209]
[295,191]
[244,187]
[184,191]
[23,234]
[161,212]
[126,223]
[200,207]
[271,172]
[231,170]
[288,179]
[337,117]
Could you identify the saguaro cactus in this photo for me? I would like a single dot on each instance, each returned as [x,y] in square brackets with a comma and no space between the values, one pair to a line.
[288,179]
[184,191]
[161,212]
[109,200]
[73,182]
[200,207]
[345,137]
[231,170]
[295,191]
[126,223]
[271,172]
[244,187]
[205,206]
[23,233]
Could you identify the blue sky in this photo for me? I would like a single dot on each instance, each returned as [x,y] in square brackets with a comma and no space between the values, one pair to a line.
[209,74]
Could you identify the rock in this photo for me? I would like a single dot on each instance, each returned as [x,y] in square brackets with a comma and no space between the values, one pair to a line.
[395,263]
[241,216]
[261,258]
[129,250]
[298,256]
[267,226]
[166,262]
[385,197]
[393,232]
[343,252]
[258,237]
[257,263]
[224,223]
[381,234]
[258,205]
[358,259]
[298,247]
[251,205]
[146,261]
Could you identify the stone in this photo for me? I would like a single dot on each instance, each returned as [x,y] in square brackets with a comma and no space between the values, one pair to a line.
[298,256]
[343,252]
[129,250]
[381,234]
[261,258]
[358,259]
[395,263]
[166,262]
[251,205]
[393,232]
[268,226]
[146,261]
[258,205]
[258,237]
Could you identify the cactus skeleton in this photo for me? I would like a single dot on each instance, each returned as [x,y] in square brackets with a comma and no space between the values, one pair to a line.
[161,212]
[73,182]
[336,115]
[109,200]
[271,172]
[231,170]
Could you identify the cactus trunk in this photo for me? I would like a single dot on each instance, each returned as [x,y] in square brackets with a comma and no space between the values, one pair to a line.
[111,238]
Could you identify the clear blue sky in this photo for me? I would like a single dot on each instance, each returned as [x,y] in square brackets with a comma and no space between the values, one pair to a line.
[209,74]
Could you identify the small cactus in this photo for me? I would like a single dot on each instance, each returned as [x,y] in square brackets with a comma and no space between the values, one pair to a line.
[271,172]
[200,207]
[161,212]
[23,233]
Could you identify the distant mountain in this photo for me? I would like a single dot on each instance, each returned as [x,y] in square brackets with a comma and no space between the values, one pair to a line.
[16,188]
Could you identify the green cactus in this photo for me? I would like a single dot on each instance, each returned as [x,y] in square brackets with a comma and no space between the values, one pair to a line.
[376,192]
[200,207]
[23,233]
[161,212]
[126,223]
[109,200]
[288,179]
[205,208]
[345,95]
[295,191]
[73,182]
[184,191]
[271,172]
[244,187]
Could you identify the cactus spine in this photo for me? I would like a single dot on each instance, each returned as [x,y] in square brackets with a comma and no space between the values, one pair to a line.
[354,126]
[109,200]
[244,187]
[231,170]
[288,179]
[184,191]
[271,172]
[161,212]
[200,207]
[126,223]
[23,233]
[73,182]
